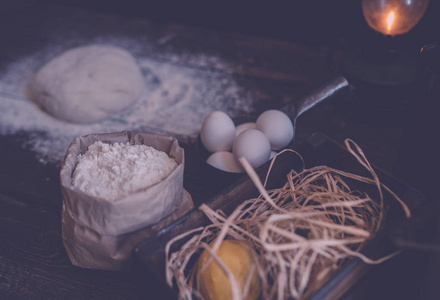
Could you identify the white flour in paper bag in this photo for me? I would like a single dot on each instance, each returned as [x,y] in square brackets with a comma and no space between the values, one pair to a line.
[99,233]
[112,171]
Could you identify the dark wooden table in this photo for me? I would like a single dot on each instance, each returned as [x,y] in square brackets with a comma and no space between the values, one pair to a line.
[276,64]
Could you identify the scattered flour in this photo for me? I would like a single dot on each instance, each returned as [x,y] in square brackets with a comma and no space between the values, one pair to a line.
[175,101]
[113,171]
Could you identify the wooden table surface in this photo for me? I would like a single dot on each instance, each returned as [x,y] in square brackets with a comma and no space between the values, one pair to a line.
[273,66]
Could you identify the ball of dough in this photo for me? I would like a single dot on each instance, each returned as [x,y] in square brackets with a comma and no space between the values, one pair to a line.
[88,84]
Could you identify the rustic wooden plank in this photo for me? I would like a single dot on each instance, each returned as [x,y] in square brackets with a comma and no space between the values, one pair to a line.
[19,281]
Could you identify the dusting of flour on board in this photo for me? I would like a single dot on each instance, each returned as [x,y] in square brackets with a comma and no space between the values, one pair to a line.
[175,102]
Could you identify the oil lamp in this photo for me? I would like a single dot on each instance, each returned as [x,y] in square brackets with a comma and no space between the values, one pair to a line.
[382,61]
[382,58]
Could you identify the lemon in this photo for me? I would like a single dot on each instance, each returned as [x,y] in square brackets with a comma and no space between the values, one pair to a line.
[213,282]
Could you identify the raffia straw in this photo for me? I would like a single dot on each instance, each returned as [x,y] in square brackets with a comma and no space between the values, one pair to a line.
[303,231]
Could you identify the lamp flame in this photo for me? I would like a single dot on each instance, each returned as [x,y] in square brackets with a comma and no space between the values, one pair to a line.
[390,21]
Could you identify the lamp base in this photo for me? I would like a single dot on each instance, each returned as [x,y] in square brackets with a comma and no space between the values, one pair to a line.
[386,85]
[387,68]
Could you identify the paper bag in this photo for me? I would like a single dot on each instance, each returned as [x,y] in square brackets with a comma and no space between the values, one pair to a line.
[99,233]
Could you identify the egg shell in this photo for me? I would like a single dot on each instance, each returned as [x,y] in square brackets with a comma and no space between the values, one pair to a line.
[224,161]
[253,145]
[245,126]
[277,126]
[217,132]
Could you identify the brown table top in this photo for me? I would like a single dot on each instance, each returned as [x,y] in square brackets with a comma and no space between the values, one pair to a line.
[270,71]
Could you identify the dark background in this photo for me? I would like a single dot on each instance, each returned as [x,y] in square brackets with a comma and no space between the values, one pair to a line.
[311,21]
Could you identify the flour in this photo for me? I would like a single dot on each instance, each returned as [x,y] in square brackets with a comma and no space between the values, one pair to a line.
[175,101]
[112,171]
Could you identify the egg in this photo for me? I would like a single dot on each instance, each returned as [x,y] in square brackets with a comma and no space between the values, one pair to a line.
[217,132]
[253,145]
[277,126]
[245,126]
[238,257]
[224,161]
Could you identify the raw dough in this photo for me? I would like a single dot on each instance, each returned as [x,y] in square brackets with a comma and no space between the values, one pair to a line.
[88,84]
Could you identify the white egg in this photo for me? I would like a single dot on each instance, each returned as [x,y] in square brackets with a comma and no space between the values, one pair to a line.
[253,145]
[217,132]
[277,126]
[224,161]
[245,126]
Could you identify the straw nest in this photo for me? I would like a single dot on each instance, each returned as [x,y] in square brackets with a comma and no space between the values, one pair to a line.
[302,232]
